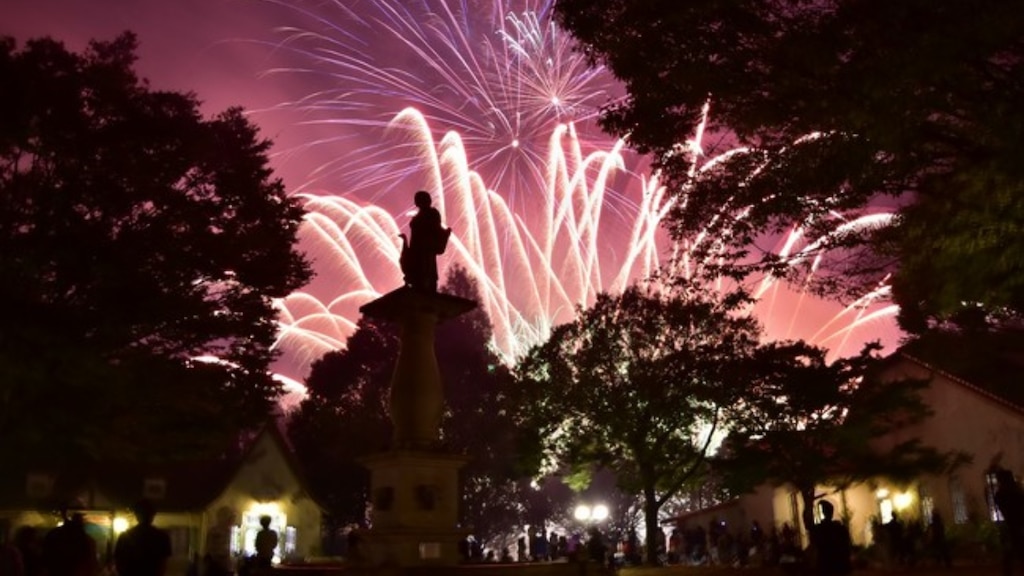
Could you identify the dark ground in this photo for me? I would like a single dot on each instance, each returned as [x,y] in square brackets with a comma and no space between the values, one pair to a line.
[717,571]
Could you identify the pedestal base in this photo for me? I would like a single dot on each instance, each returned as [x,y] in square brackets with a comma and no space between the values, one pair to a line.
[415,497]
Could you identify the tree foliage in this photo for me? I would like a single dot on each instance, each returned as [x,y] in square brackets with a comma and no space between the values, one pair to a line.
[634,384]
[840,103]
[808,423]
[135,236]
[345,416]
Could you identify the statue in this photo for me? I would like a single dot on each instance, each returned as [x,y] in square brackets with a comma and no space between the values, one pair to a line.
[415,483]
[428,240]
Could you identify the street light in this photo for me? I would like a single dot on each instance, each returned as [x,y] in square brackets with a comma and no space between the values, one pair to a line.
[585,513]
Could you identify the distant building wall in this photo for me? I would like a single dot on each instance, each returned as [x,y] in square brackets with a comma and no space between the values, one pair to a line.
[265,483]
[965,419]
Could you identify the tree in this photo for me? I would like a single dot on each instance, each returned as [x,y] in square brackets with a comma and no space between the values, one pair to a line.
[807,423]
[345,416]
[843,104]
[135,237]
[636,384]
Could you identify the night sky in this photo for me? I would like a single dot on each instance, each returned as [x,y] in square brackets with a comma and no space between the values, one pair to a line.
[253,53]
[215,48]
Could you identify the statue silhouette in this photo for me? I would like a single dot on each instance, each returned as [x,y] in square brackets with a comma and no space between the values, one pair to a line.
[428,240]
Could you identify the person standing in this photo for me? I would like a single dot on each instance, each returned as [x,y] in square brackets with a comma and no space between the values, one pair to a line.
[937,542]
[266,543]
[832,541]
[69,551]
[1009,499]
[143,550]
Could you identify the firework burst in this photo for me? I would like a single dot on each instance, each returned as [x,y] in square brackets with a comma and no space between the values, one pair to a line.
[497,122]
[530,277]
[501,79]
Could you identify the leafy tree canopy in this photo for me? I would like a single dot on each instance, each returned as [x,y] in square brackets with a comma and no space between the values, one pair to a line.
[344,416]
[807,423]
[636,384]
[841,103]
[135,236]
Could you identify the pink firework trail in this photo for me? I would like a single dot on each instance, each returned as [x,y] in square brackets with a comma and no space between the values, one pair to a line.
[497,121]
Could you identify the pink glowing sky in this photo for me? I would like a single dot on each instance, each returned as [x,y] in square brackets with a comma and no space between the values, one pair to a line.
[210,47]
[223,49]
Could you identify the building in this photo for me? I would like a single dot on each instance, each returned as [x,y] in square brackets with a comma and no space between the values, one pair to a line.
[264,480]
[977,409]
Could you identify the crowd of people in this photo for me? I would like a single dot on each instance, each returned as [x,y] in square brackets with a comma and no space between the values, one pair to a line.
[717,545]
[142,550]
[68,550]
[541,547]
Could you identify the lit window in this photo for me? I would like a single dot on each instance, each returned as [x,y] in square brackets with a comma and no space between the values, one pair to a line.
[885,510]
[251,526]
[236,541]
[991,485]
[927,504]
[959,500]
[289,541]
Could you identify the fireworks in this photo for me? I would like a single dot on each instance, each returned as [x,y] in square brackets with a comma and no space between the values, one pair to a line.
[496,120]
[501,79]
[530,278]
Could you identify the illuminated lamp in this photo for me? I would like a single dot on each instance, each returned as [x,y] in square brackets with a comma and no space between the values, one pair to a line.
[120,524]
[902,500]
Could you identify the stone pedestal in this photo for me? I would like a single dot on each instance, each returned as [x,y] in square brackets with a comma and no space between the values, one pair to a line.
[415,499]
[414,487]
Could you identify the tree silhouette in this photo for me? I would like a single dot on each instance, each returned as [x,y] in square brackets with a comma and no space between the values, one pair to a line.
[811,424]
[911,105]
[636,384]
[135,237]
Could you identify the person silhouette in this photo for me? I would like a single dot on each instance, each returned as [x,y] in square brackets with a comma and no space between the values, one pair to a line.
[143,550]
[428,239]
[68,550]
[832,541]
[266,542]
[23,555]
[1009,498]
[937,542]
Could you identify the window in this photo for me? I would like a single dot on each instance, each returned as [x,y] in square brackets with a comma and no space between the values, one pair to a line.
[154,488]
[251,526]
[289,541]
[959,500]
[927,504]
[236,540]
[991,485]
[885,510]
[794,508]
[817,510]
